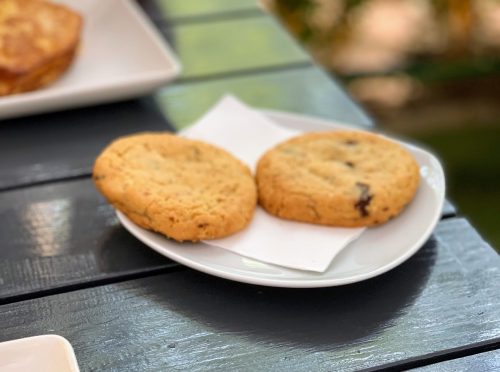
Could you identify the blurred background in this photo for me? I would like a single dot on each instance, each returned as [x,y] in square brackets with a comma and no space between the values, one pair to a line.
[428,70]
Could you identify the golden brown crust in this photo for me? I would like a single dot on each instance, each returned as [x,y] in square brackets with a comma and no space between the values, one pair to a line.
[341,178]
[184,189]
[38,41]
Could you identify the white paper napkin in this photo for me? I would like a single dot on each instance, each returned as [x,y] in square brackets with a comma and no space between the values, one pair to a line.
[247,134]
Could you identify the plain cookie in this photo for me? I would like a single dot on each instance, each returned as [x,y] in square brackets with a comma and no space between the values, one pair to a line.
[341,178]
[184,189]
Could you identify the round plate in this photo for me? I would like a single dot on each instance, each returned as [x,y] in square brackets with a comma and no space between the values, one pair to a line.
[376,251]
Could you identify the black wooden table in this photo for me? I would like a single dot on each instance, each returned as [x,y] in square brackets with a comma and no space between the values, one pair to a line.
[68,267]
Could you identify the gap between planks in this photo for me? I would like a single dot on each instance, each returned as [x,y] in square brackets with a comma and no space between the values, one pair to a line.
[173,267]
[446,355]
[162,21]
[245,72]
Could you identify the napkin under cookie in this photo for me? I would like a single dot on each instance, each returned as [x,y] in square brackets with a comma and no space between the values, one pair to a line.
[247,134]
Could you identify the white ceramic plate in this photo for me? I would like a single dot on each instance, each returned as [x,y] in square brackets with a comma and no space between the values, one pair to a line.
[378,249]
[121,56]
[47,353]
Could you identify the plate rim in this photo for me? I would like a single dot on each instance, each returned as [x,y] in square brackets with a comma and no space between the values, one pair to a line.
[316,282]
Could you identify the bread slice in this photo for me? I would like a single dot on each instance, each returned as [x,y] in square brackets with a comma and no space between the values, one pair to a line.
[38,42]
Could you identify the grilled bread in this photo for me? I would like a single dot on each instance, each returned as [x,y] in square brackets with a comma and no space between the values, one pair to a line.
[38,42]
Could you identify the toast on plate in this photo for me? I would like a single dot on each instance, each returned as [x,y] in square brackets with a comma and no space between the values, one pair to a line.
[38,42]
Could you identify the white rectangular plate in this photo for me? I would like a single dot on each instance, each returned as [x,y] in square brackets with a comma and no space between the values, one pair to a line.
[121,56]
[39,353]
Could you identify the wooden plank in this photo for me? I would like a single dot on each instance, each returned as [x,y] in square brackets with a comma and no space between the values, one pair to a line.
[444,298]
[233,46]
[488,361]
[64,234]
[306,90]
[449,209]
[64,144]
[190,10]
[81,134]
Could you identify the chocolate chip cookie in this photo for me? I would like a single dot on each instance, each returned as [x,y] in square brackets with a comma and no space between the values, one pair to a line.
[184,189]
[341,178]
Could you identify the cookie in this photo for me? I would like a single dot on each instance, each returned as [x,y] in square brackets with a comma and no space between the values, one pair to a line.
[38,42]
[342,178]
[184,189]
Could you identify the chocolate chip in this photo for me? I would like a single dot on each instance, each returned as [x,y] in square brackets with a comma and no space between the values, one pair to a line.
[350,164]
[350,142]
[385,209]
[196,154]
[202,225]
[364,199]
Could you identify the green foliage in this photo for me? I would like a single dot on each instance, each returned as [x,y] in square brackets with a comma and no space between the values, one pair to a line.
[351,4]
[472,164]
[297,5]
[454,69]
